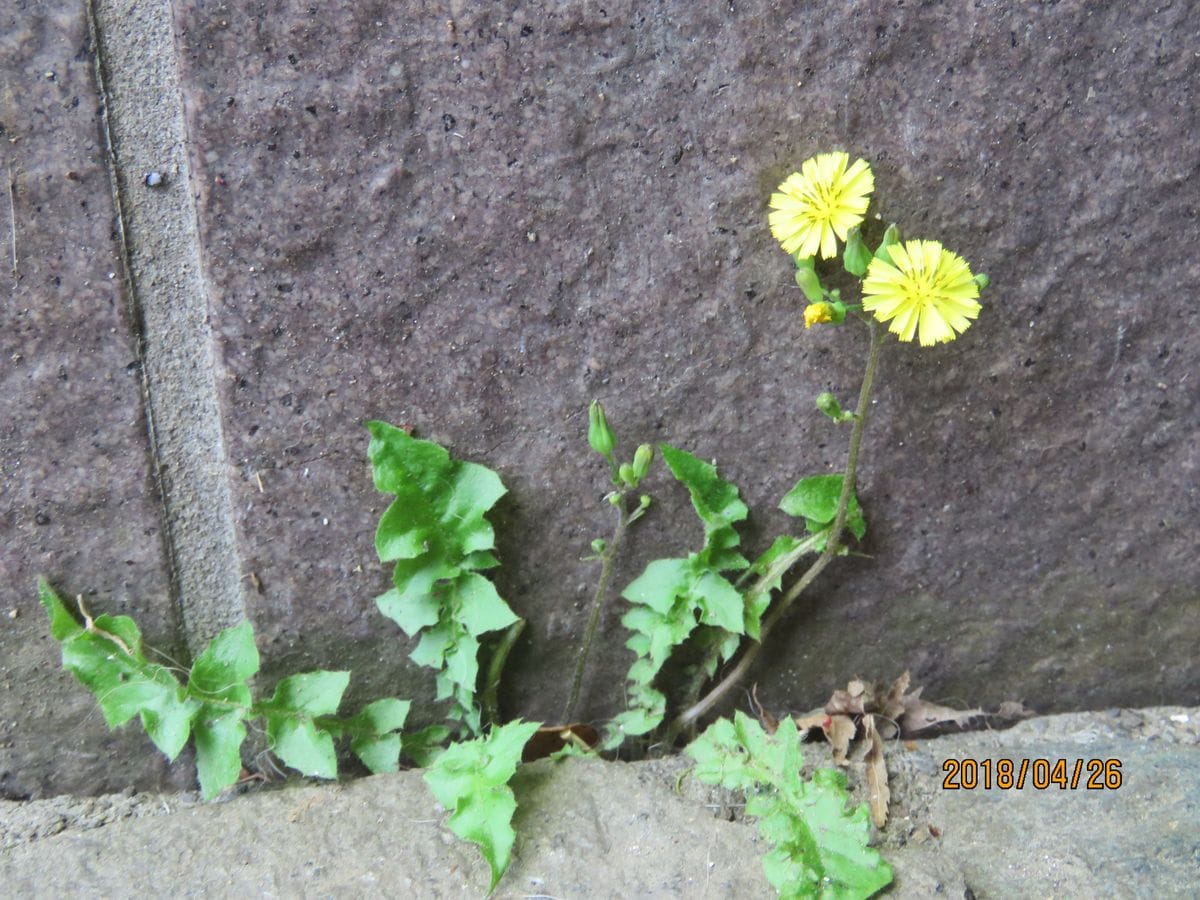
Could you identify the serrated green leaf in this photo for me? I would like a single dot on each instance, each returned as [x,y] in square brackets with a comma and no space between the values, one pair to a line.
[471,779]
[815,500]
[426,745]
[820,845]
[311,693]
[718,601]
[167,719]
[379,753]
[657,587]
[224,666]
[438,536]
[301,744]
[218,735]
[62,624]
[715,500]
[482,608]
[374,734]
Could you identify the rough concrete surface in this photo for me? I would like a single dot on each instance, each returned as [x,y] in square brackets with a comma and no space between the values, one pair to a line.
[77,497]
[472,219]
[593,829]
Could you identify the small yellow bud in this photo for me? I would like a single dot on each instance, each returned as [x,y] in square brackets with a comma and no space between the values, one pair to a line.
[817,313]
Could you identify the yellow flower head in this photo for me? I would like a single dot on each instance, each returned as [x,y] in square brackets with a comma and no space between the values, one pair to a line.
[817,313]
[924,290]
[827,197]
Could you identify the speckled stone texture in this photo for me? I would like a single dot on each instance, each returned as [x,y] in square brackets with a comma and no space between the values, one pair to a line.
[77,500]
[473,221]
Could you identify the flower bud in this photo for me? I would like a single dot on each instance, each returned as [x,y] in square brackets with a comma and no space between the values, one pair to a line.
[856,257]
[806,277]
[982,280]
[641,461]
[600,436]
[627,475]
[890,236]
[644,502]
[599,545]
[828,404]
[817,313]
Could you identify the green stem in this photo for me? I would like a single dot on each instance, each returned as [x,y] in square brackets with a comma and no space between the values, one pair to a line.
[694,712]
[607,559]
[489,702]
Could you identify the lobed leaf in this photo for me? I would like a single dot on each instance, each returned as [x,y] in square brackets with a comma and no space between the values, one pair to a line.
[471,779]
[821,848]
[437,534]
[815,500]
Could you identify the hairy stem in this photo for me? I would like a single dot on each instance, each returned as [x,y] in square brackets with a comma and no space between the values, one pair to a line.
[607,558]
[694,712]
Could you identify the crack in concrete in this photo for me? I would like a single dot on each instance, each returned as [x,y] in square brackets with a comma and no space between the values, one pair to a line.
[143,126]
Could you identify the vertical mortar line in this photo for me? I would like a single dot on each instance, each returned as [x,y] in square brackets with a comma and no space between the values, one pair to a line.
[157,230]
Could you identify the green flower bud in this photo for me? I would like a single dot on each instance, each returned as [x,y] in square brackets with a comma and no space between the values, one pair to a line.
[982,280]
[890,236]
[806,277]
[627,475]
[600,436]
[641,461]
[828,404]
[644,502]
[599,545]
[856,256]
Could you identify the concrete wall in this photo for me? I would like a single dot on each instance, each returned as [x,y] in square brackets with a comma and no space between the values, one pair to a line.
[473,221]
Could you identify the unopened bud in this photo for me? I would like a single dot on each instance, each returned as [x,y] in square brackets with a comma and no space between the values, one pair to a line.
[627,475]
[641,461]
[982,280]
[644,501]
[890,237]
[828,404]
[806,277]
[856,257]
[817,313]
[600,436]
[599,545]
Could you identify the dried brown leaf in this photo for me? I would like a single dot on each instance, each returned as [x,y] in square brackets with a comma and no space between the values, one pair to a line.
[811,721]
[920,715]
[878,792]
[840,731]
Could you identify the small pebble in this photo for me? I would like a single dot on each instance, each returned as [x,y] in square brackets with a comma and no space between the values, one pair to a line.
[154,179]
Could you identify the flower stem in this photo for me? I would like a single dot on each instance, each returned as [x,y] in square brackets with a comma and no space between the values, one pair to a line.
[696,710]
[607,559]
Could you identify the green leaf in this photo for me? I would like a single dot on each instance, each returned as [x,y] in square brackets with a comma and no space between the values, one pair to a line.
[296,737]
[221,671]
[716,502]
[426,745]
[815,499]
[482,608]
[437,534]
[375,734]
[219,735]
[106,657]
[62,623]
[471,779]
[821,847]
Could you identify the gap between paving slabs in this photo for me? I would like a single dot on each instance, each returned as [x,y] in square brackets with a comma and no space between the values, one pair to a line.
[144,129]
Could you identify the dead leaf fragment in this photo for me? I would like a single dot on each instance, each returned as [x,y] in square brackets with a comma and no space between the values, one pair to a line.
[879,795]
[840,731]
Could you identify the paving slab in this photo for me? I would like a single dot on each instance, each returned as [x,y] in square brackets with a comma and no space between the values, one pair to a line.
[78,501]
[594,829]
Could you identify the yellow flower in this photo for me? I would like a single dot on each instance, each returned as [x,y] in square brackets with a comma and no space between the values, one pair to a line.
[823,199]
[817,313]
[924,290]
